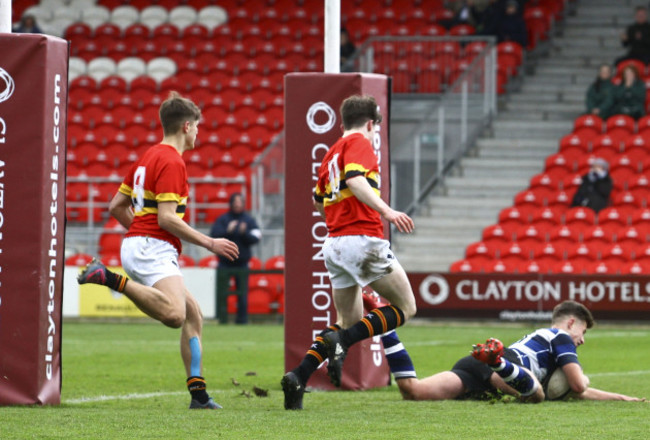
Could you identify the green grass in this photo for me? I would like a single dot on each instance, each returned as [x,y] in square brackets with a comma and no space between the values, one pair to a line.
[115,360]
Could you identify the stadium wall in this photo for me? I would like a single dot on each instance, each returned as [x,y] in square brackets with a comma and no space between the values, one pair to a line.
[506,297]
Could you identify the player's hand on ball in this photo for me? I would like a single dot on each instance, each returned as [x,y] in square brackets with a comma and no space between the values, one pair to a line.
[225,248]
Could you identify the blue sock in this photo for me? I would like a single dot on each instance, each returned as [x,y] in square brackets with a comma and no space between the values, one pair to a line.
[516,377]
[398,358]
[195,350]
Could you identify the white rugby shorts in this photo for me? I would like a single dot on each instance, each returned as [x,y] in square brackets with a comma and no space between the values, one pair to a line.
[148,260]
[357,260]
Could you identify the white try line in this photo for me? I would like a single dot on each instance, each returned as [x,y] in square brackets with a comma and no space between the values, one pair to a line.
[131,396]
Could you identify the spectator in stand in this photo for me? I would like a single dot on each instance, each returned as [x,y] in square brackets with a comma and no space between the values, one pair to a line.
[637,37]
[487,19]
[348,49]
[629,95]
[239,227]
[28,25]
[512,26]
[600,94]
[595,188]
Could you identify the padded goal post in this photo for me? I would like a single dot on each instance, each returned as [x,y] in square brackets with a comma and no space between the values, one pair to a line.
[33,107]
[312,125]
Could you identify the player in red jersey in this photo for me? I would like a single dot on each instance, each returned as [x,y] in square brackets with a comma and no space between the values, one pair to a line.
[356,254]
[151,203]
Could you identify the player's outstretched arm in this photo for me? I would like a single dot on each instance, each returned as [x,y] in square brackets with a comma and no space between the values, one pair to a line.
[595,394]
[170,222]
[364,192]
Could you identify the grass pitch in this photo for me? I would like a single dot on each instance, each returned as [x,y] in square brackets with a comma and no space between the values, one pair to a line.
[126,381]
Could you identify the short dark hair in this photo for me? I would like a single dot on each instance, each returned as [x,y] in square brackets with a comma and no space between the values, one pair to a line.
[175,110]
[357,110]
[573,308]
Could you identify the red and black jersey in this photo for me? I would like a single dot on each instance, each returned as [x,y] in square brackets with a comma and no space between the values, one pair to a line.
[158,176]
[350,156]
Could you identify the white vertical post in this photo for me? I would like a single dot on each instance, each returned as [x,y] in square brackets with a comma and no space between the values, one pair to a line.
[417,154]
[332,36]
[441,141]
[5,16]
[463,114]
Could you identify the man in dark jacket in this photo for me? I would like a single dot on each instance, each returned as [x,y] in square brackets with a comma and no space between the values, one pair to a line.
[637,37]
[242,229]
[595,188]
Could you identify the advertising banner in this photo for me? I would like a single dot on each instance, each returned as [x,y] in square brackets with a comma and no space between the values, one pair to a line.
[312,125]
[513,297]
[33,97]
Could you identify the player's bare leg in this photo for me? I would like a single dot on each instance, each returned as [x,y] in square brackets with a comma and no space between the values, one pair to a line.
[192,354]
[164,301]
[395,287]
[442,386]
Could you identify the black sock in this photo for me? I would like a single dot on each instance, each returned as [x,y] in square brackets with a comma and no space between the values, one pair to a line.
[196,386]
[115,281]
[377,322]
[315,356]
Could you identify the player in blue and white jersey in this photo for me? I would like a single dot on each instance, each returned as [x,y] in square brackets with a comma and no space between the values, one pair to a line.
[518,370]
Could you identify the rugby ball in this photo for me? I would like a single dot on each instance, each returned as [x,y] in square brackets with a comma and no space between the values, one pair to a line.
[557,387]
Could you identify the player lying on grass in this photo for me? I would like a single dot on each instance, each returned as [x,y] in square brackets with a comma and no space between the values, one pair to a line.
[518,370]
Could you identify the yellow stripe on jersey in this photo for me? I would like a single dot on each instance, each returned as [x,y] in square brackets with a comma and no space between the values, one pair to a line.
[170,197]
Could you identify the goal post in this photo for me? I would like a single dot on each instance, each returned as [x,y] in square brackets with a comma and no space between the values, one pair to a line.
[312,125]
[33,109]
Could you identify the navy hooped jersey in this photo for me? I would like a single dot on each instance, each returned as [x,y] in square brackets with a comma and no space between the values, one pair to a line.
[545,350]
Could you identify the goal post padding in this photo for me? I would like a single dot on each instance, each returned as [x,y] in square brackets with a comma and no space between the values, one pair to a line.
[312,125]
[33,100]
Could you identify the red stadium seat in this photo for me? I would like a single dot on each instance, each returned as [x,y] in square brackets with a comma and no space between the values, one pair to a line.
[495,234]
[529,237]
[635,268]
[186,261]
[79,260]
[535,266]
[480,251]
[596,234]
[513,215]
[550,181]
[589,125]
[579,216]
[465,266]
[569,267]
[549,251]
[613,142]
[547,218]
[561,161]
[509,56]
[614,215]
[622,124]
[631,235]
[603,267]
[617,251]
[532,198]
[499,266]
[574,145]
[210,261]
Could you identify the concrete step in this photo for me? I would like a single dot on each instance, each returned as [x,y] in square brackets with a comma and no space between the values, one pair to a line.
[536,129]
[485,187]
[486,144]
[534,155]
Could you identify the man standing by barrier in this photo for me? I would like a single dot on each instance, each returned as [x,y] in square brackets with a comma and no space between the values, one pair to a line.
[241,228]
